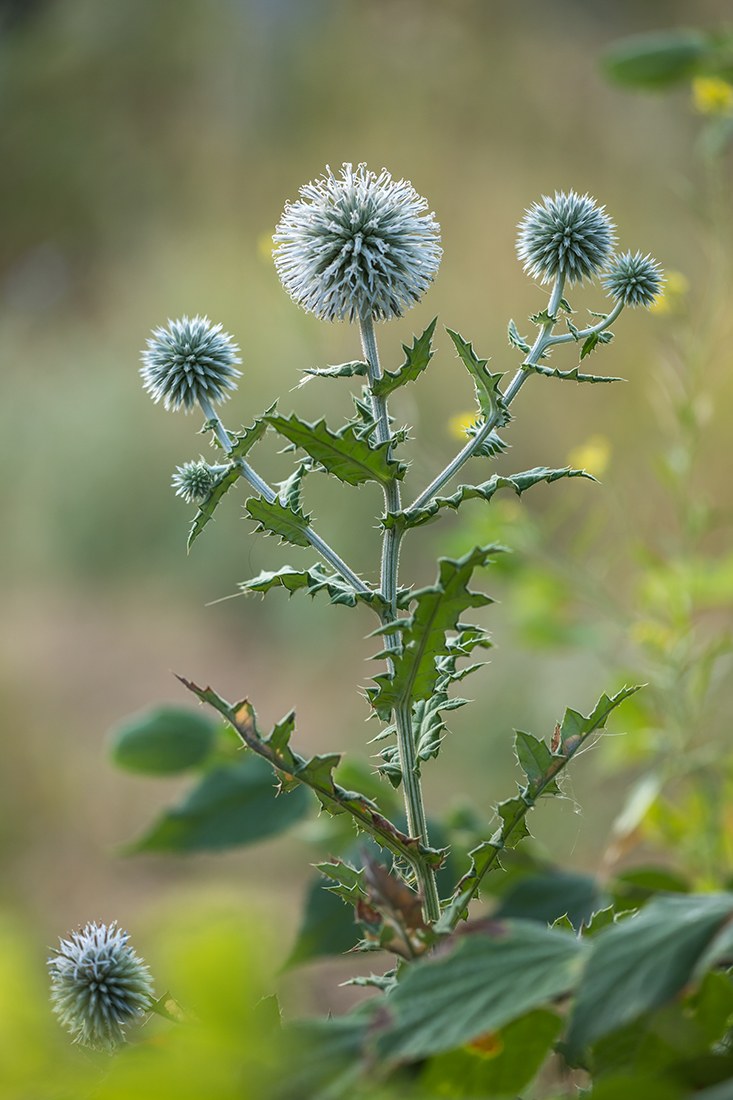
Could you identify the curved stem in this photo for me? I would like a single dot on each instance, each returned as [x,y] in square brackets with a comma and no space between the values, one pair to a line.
[414,806]
[270,495]
[566,337]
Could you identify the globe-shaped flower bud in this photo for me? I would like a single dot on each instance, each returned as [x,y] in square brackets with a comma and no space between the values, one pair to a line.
[360,245]
[569,235]
[99,984]
[634,280]
[194,481]
[190,361]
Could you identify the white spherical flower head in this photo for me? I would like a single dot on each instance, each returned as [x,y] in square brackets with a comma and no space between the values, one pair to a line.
[634,280]
[190,361]
[99,984]
[570,236]
[357,246]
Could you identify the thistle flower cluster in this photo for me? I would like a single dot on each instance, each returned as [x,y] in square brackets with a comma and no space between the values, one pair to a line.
[569,235]
[189,362]
[194,480]
[634,280]
[99,984]
[356,247]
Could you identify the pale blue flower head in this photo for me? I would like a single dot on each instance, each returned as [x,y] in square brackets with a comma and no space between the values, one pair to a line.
[189,361]
[569,235]
[360,245]
[194,480]
[99,984]
[634,280]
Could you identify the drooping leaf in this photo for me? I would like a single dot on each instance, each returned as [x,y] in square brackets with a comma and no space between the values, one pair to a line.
[417,359]
[643,962]
[516,340]
[312,581]
[232,805]
[574,375]
[341,370]
[657,59]
[423,634]
[488,394]
[162,741]
[327,926]
[518,1052]
[488,979]
[415,517]
[344,454]
[275,518]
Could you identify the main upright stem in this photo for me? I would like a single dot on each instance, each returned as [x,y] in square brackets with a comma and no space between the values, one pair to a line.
[414,807]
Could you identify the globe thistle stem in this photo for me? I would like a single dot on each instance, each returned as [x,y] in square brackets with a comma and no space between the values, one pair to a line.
[566,337]
[270,495]
[411,785]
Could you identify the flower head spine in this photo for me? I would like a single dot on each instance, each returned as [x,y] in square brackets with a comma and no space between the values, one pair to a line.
[570,236]
[634,280]
[360,245]
[99,984]
[190,361]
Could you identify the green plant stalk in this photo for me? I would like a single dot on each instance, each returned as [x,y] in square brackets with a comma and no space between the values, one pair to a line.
[270,495]
[412,789]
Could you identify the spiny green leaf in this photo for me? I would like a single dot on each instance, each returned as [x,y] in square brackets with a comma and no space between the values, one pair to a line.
[514,828]
[415,517]
[593,340]
[535,759]
[488,394]
[576,729]
[344,454]
[417,359]
[575,332]
[544,317]
[289,494]
[438,609]
[277,519]
[244,441]
[313,580]
[565,306]
[349,883]
[516,340]
[574,375]
[342,370]
[487,980]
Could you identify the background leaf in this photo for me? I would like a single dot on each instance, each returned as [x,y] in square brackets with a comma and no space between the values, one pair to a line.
[163,740]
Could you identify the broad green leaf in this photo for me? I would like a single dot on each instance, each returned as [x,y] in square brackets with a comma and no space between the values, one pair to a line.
[341,370]
[643,962]
[162,741]
[657,59]
[516,340]
[327,927]
[488,394]
[574,375]
[438,609]
[534,757]
[639,1087]
[417,359]
[487,980]
[415,517]
[344,454]
[312,581]
[521,1048]
[277,519]
[232,805]
[548,897]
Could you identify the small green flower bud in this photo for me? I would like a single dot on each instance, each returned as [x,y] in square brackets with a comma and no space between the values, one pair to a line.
[99,984]
[359,246]
[189,361]
[634,280]
[569,235]
[194,481]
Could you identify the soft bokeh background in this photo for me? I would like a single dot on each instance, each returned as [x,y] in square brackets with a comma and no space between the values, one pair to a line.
[146,151]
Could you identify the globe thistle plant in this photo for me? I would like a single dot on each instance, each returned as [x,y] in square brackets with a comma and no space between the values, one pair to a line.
[194,480]
[190,363]
[359,246]
[569,236]
[99,984]
[634,280]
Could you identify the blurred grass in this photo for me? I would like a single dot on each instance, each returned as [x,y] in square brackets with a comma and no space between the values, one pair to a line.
[145,150]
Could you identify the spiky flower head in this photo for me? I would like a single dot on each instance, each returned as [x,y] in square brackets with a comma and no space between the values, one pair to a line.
[190,361]
[634,280]
[569,235]
[360,245]
[194,480]
[99,984]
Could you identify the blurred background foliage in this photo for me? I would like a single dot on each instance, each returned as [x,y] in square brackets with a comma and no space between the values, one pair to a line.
[146,151]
